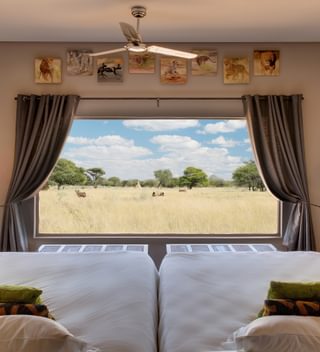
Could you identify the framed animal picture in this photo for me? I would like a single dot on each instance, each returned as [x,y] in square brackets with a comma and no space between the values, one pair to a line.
[173,70]
[205,64]
[47,70]
[142,62]
[79,63]
[266,62]
[236,70]
[110,69]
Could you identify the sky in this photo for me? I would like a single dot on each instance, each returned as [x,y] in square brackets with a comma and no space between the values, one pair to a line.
[134,149]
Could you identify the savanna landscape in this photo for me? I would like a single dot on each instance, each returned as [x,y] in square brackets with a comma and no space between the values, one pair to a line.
[200,210]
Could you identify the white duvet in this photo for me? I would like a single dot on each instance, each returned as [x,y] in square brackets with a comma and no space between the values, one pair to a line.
[204,297]
[106,299]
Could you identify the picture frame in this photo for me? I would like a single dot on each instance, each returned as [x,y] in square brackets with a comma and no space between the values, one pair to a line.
[47,70]
[205,64]
[141,62]
[266,62]
[236,70]
[173,70]
[79,63]
[110,69]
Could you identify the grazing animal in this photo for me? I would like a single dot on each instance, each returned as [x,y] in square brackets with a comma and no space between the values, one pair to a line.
[202,59]
[81,194]
[157,194]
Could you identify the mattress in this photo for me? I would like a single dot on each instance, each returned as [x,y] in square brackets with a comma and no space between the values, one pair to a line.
[205,297]
[106,299]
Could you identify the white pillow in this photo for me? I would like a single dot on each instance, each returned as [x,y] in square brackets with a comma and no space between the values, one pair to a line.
[280,333]
[28,333]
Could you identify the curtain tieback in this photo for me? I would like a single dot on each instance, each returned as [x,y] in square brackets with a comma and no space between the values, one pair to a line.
[309,203]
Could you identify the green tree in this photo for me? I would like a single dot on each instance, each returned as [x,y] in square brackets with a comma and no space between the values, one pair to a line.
[94,175]
[174,182]
[193,177]
[67,173]
[149,183]
[113,181]
[215,181]
[132,183]
[163,176]
[247,175]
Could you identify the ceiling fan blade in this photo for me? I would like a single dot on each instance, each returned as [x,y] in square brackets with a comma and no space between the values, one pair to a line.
[130,33]
[107,52]
[171,52]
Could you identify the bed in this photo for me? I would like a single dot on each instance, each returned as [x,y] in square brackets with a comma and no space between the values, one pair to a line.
[205,297]
[108,300]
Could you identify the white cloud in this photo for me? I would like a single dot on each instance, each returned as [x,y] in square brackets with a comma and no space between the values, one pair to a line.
[226,143]
[247,141]
[78,140]
[106,153]
[110,140]
[157,125]
[174,142]
[223,126]
[121,157]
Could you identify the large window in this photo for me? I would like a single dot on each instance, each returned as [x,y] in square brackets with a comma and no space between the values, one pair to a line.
[148,177]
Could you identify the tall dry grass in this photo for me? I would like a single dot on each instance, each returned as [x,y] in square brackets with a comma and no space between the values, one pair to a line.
[132,210]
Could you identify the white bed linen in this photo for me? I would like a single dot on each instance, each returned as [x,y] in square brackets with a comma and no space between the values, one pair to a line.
[107,299]
[204,298]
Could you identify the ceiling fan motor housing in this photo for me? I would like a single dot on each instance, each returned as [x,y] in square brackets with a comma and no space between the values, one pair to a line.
[138,11]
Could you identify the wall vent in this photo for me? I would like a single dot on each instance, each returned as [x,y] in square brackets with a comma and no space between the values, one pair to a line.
[191,248]
[91,248]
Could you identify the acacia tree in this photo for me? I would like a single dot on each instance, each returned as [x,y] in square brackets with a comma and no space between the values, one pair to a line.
[95,175]
[67,173]
[247,175]
[192,177]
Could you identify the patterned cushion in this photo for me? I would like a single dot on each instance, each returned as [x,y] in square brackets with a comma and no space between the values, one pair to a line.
[291,307]
[26,309]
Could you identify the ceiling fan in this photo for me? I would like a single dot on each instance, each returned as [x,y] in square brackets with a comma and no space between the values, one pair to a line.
[135,43]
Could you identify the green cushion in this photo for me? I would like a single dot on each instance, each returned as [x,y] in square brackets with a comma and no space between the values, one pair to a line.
[294,290]
[19,294]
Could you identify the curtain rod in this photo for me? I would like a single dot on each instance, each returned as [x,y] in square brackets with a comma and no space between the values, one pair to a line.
[160,98]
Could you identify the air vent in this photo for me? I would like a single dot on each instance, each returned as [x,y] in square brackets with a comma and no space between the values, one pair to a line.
[191,248]
[91,248]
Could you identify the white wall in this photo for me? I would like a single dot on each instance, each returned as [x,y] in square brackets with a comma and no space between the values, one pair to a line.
[299,73]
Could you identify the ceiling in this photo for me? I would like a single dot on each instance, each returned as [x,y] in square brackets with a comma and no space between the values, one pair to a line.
[166,20]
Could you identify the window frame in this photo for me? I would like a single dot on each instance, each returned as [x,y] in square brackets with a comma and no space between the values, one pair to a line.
[156,242]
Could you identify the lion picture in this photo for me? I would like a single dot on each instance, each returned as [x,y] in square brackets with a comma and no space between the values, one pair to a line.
[47,70]
[266,62]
